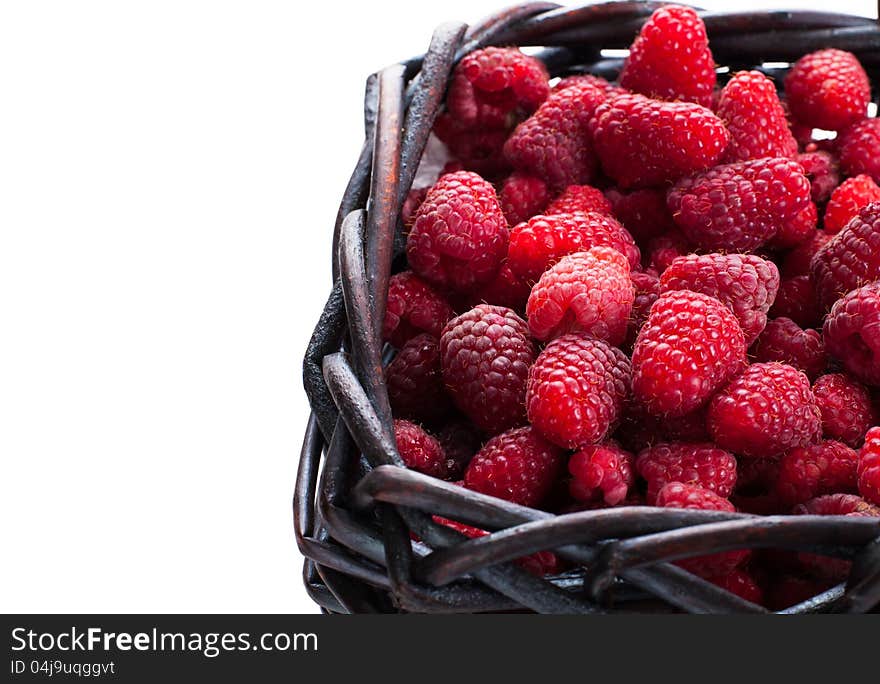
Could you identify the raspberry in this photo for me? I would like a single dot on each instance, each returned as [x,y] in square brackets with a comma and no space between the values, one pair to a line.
[610,89]
[577,198]
[750,108]
[859,149]
[689,496]
[505,290]
[643,142]
[784,341]
[419,450]
[518,466]
[838,504]
[666,248]
[505,78]
[850,333]
[552,144]
[822,172]
[476,150]
[415,382]
[745,283]
[797,261]
[828,89]
[576,390]
[485,354]
[670,58]
[689,347]
[739,206]
[459,237]
[413,307]
[460,441]
[411,204]
[825,468]
[740,583]
[765,411]
[701,464]
[602,471]
[853,195]
[797,230]
[869,468]
[642,212]
[541,241]
[522,196]
[796,300]
[647,289]
[589,292]
[846,409]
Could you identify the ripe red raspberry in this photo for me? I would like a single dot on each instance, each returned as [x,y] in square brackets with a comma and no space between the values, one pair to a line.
[459,237]
[739,206]
[642,212]
[602,471]
[838,504]
[485,354]
[541,241]
[553,144]
[783,340]
[850,333]
[415,382]
[828,89]
[411,204]
[666,248]
[522,196]
[576,390]
[846,408]
[643,142]
[869,468]
[419,450]
[853,195]
[701,464]
[765,411]
[797,261]
[518,466]
[413,307]
[610,89]
[670,58]
[797,230]
[647,290]
[825,468]
[821,170]
[745,283]
[506,289]
[505,78]
[750,108]
[859,149]
[589,292]
[740,583]
[577,198]
[690,346]
[796,300]
[460,441]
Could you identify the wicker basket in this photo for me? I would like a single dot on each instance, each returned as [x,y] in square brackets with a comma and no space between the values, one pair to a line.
[354,522]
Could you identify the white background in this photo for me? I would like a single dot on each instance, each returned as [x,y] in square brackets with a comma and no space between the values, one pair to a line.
[169,175]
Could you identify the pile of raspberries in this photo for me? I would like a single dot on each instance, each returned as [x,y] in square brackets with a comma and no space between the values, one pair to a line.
[654,292]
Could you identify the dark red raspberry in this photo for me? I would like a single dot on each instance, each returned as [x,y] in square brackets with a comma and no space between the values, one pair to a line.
[690,346]
[853,195]
[419,450]
[859,149]
[413,307]
[576,390]
[825,468]
[851,333]
[589,292]
[670,58]
[541,241]
[602,471]
[828,89]
[518,466]
[478,150]
[745,283]
[415,382]
[643,142]
[750,108]
[647,289]
[838,504]
[459,237]
[522,196]
[765,411]
[796,300]
[740,583]
[414,199]
[485,354]
[822,171]
[639,429]
[642,212]
[506,289]
[689,496]
[553,144]
[701,464]
[869,468]
[610,89]
[846,408]
[797,261]
[577,198]
[785,341]
[666,248]
[798,230]
[460,441]
[739,206]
